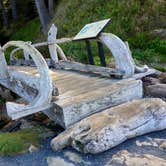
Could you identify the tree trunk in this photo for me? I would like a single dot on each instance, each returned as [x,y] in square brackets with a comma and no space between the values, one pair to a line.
[43,14]
[4,14]
[51,7]
[14,9]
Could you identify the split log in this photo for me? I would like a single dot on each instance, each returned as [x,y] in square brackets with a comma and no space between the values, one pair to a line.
[124,158]
[107,129]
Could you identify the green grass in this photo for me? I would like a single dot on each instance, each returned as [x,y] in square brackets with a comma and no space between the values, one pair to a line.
[132,20]
[17,142]
[29,32]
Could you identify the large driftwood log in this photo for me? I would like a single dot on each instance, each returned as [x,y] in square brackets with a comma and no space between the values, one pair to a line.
[113,126]
[124,158]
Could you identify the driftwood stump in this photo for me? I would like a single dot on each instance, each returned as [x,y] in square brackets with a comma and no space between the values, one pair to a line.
[113,126]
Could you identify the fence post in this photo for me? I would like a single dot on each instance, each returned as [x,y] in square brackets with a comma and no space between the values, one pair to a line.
[101,54]
[90,56]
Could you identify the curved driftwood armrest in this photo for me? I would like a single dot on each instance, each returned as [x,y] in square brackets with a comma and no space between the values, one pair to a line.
[43,99]
[123,60]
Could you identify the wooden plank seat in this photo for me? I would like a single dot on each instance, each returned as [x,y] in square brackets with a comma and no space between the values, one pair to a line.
[80,94]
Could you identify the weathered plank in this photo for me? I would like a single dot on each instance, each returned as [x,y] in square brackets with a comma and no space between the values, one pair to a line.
[107,129]
[75,66]
[80,94]
[72,107]
[125,158]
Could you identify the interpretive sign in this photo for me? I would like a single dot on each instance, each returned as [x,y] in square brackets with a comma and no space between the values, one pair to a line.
[91,30]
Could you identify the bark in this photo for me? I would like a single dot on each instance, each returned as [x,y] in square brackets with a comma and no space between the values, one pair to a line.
[14,9]
[43,14]
[4,14]
[109,128]
[51,7]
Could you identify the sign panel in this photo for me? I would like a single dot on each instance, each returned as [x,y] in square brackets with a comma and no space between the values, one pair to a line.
[91,30]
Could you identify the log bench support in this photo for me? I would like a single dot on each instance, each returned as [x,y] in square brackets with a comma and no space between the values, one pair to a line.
[43,99]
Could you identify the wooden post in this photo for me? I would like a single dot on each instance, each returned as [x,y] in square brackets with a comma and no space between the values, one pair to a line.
[90,56]
[26,54]
[3,65]
[101,54]
[52,34]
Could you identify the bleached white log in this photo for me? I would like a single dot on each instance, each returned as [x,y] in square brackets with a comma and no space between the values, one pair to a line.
[43,99]
[52,34]
[3,66]
[102,131]
[123,59]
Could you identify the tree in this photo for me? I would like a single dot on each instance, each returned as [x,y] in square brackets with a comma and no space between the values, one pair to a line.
[4,14]
[45,19]
[51,7]
[14,9]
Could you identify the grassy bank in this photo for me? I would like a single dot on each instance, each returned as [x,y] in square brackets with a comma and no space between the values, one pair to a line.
[133,21]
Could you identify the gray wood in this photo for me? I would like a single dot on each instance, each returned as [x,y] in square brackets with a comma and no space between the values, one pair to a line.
[75,66]
[122,56]
[80,94]
[43,99]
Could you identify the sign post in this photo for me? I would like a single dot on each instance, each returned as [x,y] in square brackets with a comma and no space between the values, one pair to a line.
[92,31]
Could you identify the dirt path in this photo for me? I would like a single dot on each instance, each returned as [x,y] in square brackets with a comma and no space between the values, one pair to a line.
[70,157]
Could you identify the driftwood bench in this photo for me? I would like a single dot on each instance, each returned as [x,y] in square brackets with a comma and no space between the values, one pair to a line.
[69,91]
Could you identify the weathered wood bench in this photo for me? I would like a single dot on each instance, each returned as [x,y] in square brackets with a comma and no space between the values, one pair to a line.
[70,91]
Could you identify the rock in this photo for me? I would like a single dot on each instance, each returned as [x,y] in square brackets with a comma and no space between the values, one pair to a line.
[76,158]
[11,126]
[157,90]
[124,158]
[102,131]
[159,33]
[25,124]
[162,78]
[155,142]
[32,149]
[150,81]
[6,94]
[57,161]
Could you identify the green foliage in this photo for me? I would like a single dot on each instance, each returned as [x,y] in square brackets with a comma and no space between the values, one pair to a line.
[17,142]
[132,21]
[29,32]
